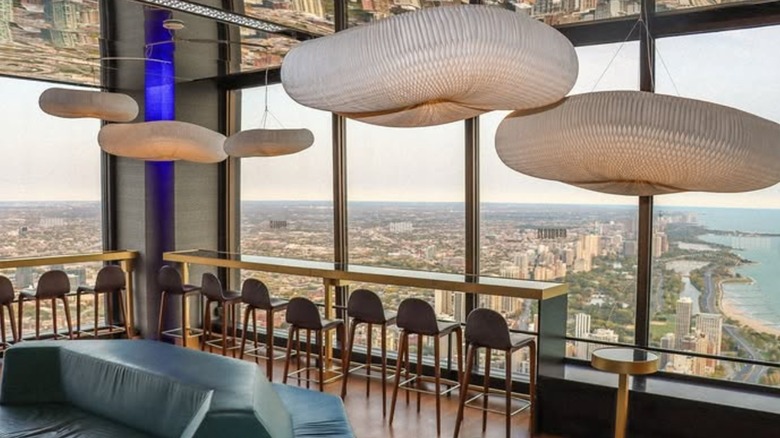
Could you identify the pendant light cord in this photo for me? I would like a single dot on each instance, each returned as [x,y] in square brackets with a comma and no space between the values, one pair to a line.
[266,111]
[657,52]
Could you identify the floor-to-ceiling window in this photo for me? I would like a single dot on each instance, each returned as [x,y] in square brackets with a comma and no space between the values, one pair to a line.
[716,257]
[286,202]
[49,188]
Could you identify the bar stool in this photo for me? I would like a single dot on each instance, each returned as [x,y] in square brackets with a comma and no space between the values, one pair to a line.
[212,289]
[170,284]
[365,307]
[53,285]
[417,317]
[111,282]
[254,293]
[6,298]
[487,329]
[302,314]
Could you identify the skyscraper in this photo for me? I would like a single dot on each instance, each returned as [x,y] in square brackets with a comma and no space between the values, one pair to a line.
[581,325]
[682,327]
[711,324]
[667,342]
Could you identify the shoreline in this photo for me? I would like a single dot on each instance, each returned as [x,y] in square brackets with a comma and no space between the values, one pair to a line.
[730,310]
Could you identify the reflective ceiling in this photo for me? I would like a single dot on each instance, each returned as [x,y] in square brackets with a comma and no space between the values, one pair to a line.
[60,40]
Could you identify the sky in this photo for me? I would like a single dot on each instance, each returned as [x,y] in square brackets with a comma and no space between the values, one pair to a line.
[51,158]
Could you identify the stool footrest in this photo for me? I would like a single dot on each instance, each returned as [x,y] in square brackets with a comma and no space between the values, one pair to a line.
[524,403]
[336,371]
[176,332]
[406,385]
[251,353]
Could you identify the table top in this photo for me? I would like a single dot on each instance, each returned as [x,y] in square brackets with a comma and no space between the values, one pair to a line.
[536,290]
[625,360]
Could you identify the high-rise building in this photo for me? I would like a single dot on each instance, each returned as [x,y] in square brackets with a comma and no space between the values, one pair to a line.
[667,342]
[442,302]
[682,326]
[581,325]
[313,7]
[711,324]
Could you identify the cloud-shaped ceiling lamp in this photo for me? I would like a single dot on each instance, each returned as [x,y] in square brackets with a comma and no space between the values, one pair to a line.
[112,107]
[636,143]
[163,141]
[268,142]
[434,66]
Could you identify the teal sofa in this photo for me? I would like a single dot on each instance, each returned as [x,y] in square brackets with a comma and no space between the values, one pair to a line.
[134,389]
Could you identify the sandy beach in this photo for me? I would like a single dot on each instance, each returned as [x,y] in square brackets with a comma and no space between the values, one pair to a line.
[730,310]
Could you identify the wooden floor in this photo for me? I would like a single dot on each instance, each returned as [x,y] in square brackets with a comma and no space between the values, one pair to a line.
[365,413]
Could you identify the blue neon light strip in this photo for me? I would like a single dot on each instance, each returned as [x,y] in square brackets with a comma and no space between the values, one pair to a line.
[159,67]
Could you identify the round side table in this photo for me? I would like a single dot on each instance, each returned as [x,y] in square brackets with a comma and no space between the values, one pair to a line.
[624,362]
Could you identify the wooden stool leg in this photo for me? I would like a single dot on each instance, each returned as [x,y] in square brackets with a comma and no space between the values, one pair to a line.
[184,328]
[298,354]
[417,380]
[459,340]
[308,358]
[408,367]
[37,319]
[402,351]
[243,335]
[67,316]
[14,331]
[289,354]
[160,319]
[269,368]
[54,317]
[508,393]
[225,325]
[437,381]
[349,355]
[19,308]
[2,326]
[485,387]
[123,311]
[384,370]
[269,341]
[320,357]
[97,311]
[368,358]
[78,314]
[464,388]
[206,325]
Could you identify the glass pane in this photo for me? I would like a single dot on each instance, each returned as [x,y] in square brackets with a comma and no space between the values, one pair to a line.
[545,230]
[716,256]
[286,202]
[49,191]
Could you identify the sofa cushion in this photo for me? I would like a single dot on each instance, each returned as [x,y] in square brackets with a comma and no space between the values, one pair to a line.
[315,414]
[59,420]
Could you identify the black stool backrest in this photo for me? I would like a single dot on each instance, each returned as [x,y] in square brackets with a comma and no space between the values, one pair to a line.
[303,313]
[255,293]
[417,316]
[170,281]
[487,328]
[364,305]
[110,279]
[53,284]
[212,287]
[6,290]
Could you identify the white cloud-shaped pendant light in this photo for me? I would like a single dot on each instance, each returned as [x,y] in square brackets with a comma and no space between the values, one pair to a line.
[434,66]
[112,107]
[636,143]
[268,142]
[163,141]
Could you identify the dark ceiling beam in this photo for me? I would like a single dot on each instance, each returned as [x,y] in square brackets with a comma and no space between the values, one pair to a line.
[675,23]
[716,18]
[250,79]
